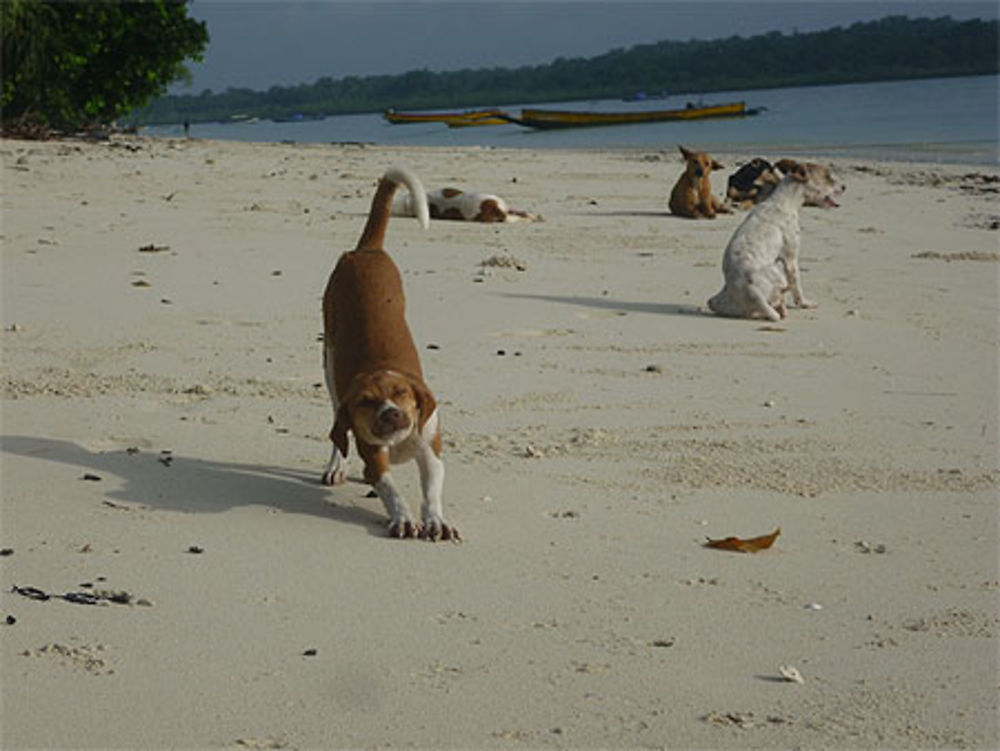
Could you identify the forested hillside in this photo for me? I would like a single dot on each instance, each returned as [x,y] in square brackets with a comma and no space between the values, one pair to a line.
[893,48]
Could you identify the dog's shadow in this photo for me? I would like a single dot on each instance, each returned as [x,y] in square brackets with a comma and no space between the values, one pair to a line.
[649,214]
[603,303]
[173,482]
[636,214]
[632,213]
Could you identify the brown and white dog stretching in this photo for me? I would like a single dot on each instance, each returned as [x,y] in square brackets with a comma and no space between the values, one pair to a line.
[692,194]
[373,373]
[452,203]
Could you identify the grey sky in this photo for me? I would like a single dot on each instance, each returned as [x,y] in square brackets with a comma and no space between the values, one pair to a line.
[260,43]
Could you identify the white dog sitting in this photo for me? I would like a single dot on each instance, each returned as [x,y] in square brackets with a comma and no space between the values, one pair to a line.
[761,261]
[452,203]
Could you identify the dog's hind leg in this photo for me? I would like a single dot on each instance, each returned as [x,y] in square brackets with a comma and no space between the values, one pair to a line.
[762,304]
[733,301]
[716,303]
[334,474]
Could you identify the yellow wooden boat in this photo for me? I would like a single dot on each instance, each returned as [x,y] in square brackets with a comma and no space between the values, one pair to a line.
[466,121]
[548,119]
[454,119]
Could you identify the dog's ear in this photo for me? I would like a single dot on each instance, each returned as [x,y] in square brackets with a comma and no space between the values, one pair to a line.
[426,403]
[786,166]
[684,152]
[717,165]
[341,424]
[491,211]
[800,173]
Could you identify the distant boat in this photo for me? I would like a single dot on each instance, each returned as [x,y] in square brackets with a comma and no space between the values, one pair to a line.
[454,119]
[549,119]
[297,117]
[642,96]
[477,119]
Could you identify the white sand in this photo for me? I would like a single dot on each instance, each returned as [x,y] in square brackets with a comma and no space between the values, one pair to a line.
[585,465]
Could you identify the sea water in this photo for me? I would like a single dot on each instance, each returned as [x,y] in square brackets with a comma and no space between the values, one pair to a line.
[929,120]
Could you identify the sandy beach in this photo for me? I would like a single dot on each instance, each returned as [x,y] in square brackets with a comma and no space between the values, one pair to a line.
[164,426]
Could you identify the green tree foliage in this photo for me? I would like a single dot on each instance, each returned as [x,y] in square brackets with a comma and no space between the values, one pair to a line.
[68,65]
[893,48]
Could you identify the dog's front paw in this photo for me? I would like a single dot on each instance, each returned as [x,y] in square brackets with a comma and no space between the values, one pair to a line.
[334,477]
[436,528]
[804,303]
[404,528]
[335,473]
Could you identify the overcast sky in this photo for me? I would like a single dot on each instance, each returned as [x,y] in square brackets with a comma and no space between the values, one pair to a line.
[260,43]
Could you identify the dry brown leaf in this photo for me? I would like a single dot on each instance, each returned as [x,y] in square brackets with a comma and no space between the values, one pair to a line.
[745,546]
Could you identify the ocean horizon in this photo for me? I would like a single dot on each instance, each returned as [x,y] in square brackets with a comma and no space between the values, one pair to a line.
[946,120]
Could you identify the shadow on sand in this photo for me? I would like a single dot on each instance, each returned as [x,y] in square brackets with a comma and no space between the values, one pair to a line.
[603,303]
[178,483]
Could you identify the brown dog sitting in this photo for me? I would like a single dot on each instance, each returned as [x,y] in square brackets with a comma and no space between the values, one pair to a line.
[373,373]
[692,194]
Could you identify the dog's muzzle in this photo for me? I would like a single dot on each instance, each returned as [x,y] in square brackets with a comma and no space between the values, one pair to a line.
[390,419]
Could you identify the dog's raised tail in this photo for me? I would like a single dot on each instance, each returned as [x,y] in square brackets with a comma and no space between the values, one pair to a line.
[373,236]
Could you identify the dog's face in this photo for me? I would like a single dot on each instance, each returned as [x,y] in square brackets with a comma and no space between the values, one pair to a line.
[491,209]
[382,409]
[766,175]
[822,186]
[699,164]
[753,181]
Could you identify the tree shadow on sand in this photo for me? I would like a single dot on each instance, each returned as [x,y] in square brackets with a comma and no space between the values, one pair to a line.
[179,483]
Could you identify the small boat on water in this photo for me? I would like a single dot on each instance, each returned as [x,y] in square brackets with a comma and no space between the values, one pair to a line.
[297,117]
[477,120]
[453,119]
[642,96]
[549,119]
